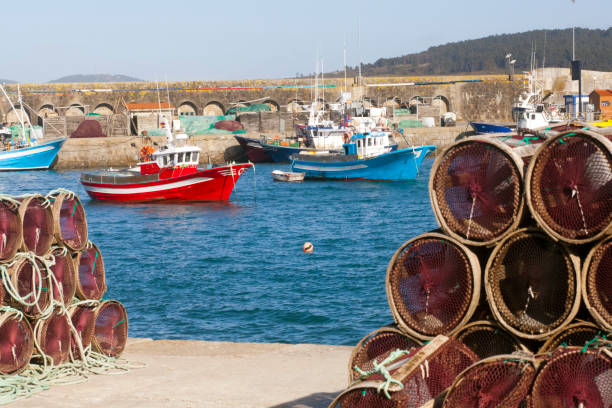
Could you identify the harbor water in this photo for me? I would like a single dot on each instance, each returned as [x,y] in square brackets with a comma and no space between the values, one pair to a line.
[235,271]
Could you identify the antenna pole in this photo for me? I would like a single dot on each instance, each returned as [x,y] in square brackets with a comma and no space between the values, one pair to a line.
[359,45]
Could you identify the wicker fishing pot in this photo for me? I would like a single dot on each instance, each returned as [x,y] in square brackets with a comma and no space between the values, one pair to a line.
[532,284]
[569,186]
[502,381]
[377,346]
[488,339]
[11,234]
[90,272]
[83,320]
[423,374]
[53,337]
[574,377]
[70,223]
[37,220]
[476,191]
[26,282]
[16,344]
[597,283]
[111,328]
[433,285]
[575,334]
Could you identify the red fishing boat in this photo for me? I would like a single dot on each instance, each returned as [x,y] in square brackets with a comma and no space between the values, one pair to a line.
[168,174]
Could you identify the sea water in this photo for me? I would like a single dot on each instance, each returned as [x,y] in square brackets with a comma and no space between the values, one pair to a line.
[236,271]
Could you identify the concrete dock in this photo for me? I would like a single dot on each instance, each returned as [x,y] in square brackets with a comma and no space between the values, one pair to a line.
[211,374]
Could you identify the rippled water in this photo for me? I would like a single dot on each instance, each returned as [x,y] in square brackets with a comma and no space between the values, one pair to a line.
[236,271]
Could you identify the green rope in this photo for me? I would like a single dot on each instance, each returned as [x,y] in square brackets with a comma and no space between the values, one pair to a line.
[93,268]
[379,368]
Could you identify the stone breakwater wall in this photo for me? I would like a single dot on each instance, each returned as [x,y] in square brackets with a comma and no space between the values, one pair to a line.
[123,151]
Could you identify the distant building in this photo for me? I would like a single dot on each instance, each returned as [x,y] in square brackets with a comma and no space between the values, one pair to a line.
[571,104]
[601,99]
[146,115]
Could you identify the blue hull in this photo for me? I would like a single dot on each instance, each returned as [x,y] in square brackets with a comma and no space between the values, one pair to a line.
[38,157]
[484,128]
[280,154]
[396,165]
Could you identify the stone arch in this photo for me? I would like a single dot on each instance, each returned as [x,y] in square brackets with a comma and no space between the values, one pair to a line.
[75,109]
[295,105]
[274,106]
[14,116]
[416,100]
[392,103]
[44,112]
[369,103]
[187,108]
[442,102]
[104,109]
[213,108]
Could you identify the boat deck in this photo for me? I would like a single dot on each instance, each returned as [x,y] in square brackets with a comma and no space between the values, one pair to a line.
[325,158]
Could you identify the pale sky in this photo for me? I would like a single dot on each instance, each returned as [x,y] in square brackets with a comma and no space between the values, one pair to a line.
[236,39]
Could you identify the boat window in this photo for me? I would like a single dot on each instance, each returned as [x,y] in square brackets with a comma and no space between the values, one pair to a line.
[187,156]
[180,157]
[196,156]
[165,160]
[369,141]
[533,116]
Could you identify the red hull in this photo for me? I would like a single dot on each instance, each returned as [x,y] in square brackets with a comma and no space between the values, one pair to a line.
[207,185]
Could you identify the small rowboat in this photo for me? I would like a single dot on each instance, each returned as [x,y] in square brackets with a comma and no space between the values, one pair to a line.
[280,175]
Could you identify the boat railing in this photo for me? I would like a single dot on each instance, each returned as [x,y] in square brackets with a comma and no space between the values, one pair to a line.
[118,178]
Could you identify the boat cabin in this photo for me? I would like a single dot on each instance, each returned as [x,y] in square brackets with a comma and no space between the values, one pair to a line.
[172,162]
[368,144]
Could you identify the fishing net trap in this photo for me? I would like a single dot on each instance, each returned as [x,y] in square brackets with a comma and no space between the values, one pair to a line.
[64,279]
[574,377]
[70,224]
[502,381]
[37,220]
[376,347]
[575,334]
[10,228]
[83,320]
[16,342]
[569,186]
[26,281]
[409,379]
[91,276]
[476,190]
[597,283]
[488,339]
[53,337]
[111,328]
[532,284]
[433,285]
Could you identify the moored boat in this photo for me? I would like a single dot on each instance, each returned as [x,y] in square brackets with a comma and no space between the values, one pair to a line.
[280,175]
[253,149]
[485,128]
[26,150]
[368,156]
[169,174]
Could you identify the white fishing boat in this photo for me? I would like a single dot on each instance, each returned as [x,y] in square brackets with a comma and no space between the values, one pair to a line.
[280,175]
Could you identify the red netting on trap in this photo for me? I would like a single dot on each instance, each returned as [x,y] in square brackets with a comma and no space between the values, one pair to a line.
[570,186]
[499,382]
[574,377]
[16,345]
[531,284]
[111,328]
[28,283]
[365,398]
[598,284]
[430,286]
[477,190]
[65,276]
[487,339]
[84,321]
[91,274]
[37,221]
[378,345]
[54,338]
[70,221]
[575,334]
[10,230]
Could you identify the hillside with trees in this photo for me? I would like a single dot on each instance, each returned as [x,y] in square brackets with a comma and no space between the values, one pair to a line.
[553,48]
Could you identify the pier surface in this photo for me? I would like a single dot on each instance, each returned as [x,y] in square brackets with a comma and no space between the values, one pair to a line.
[211,374]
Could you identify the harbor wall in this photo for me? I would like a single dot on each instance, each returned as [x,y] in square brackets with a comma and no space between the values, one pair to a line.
[123,151]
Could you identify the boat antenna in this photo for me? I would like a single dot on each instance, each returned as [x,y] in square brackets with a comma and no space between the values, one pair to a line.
[12,106]
[322,84]
[23,112]
[359,45]
[158,98]
[345,87]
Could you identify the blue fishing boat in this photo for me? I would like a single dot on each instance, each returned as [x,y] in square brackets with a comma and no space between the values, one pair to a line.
[37,156]
[484,128]
[21,147]
[368,156]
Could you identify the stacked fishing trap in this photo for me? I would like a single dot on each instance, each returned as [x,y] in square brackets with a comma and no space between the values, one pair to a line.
[509,304]
[54,326]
